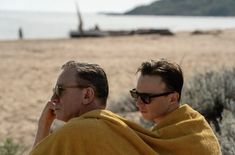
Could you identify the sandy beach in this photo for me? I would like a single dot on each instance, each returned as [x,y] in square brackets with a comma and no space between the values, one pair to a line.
[29,68]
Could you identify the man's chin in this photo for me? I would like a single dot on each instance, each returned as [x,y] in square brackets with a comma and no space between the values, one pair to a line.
[62,118]
[59,117]
[145,116]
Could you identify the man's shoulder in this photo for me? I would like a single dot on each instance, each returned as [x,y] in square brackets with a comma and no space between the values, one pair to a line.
[188,110]
[69,135]
[91,120]
[184,115]
[95,121]
[78,124]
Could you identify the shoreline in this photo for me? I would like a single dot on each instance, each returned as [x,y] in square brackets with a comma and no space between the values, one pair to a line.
[69,38]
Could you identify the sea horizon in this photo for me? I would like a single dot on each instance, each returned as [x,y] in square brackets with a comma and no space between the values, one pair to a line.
[56,25]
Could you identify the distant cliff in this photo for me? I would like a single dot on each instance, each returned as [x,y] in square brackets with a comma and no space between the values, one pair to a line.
[187,8]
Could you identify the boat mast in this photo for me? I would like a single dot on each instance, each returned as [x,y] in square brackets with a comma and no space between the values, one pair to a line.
[80,25]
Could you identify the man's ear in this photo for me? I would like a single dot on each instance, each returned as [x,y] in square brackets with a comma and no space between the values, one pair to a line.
[88,95]
[174,97]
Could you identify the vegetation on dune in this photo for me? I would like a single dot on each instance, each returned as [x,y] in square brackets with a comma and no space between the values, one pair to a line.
[8,147]
[187,8]
[213,95]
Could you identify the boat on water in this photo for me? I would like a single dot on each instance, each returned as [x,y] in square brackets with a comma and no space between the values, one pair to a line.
[96,32]
[91,33]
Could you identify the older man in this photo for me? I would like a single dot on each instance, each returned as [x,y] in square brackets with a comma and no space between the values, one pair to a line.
[79,99]
[179,129]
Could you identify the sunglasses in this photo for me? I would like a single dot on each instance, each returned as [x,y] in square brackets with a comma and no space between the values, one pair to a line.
[146,97]
[59,89]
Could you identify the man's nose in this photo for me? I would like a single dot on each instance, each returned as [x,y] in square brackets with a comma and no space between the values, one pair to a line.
[139,102]
[55,98]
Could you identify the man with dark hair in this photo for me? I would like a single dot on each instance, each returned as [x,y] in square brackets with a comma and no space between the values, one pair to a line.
[162,77]
[79,99]
[179,129]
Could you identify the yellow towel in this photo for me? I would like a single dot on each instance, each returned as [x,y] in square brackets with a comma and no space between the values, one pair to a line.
[94,133]
[103,133]
[186,132]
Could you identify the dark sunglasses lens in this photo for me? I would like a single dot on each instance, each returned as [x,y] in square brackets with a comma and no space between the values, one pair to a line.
[145,99]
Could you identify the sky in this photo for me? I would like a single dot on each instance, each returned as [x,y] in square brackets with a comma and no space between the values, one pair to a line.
[88,6]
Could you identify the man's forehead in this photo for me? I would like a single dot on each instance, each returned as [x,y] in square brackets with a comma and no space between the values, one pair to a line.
[150,81]
[67,76]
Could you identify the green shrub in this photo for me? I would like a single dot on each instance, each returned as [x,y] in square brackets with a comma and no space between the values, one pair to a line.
[123,105]
[8,147]
[211,92]
[126,107]
[204,90]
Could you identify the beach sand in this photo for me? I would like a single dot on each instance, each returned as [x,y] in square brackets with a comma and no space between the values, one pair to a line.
[29,68]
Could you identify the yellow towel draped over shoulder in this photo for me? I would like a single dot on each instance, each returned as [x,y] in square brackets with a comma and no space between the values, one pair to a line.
[98,132]
[101,132]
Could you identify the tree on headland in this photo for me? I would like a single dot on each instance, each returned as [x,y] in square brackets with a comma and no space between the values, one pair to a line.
[187,8]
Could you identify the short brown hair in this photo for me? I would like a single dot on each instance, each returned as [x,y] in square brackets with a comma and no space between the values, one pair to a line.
[91,74]
[170,73]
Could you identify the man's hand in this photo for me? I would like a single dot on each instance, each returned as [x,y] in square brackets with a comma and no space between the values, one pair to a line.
[46,119]
[48,115]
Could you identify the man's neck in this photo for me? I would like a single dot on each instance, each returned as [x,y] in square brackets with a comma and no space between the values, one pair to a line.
[171,109]
[96,105]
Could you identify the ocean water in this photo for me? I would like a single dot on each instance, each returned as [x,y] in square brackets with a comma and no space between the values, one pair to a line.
[44,25]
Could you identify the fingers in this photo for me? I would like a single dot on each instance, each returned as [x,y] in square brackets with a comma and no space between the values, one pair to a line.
[50,105]
[48,114]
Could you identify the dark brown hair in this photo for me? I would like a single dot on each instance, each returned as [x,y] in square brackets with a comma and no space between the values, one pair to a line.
[93,75]
[170,73]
